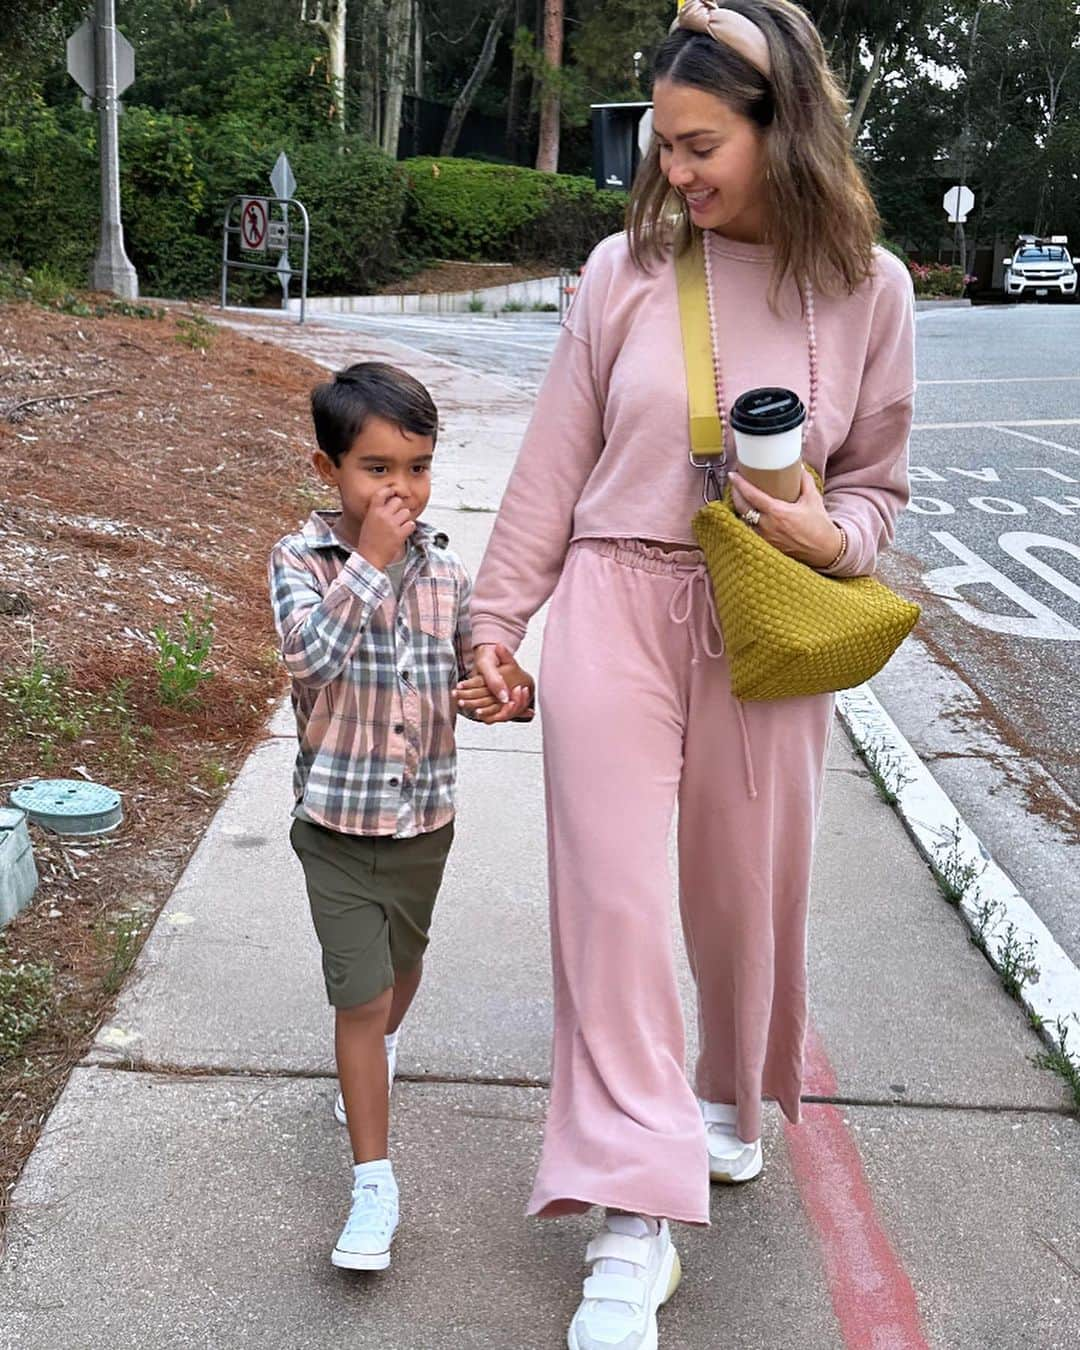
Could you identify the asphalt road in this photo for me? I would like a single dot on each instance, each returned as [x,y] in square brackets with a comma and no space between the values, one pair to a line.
[993,532]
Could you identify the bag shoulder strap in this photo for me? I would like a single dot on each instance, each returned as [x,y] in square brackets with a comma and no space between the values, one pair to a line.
[706,428]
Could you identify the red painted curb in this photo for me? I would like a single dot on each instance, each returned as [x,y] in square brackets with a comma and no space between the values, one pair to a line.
[871,1293]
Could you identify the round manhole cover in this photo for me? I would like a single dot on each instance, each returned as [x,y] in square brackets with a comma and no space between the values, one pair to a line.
[70,806]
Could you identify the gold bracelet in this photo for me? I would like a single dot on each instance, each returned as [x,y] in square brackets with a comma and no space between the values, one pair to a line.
[843,548]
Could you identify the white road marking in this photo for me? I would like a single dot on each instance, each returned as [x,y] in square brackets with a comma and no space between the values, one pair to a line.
[1039,440]
[1009,379]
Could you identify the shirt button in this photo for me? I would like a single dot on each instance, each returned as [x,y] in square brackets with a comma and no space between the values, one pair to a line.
[399,728]
[395,782]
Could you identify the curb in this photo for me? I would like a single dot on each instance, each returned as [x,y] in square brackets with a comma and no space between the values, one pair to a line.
[958,303]
[1002,922]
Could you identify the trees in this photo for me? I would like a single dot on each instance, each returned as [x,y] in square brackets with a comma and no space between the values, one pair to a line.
[479,73]
[547,153]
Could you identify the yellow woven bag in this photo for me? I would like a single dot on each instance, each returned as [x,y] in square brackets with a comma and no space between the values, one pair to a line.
[788,630]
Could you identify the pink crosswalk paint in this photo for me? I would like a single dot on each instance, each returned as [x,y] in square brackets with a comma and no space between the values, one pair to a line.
[871,1294]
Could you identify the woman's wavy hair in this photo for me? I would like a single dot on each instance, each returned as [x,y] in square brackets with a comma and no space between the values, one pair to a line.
[820,217]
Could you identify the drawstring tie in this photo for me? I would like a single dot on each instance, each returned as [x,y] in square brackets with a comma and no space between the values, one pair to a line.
[680,612]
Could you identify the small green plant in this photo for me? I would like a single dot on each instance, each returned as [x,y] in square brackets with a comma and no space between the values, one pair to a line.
[215,775]
[26,992]
[43,706]
[954,874]
[476,305]
[129,309]
[181,665]
[117,940]
[1060,1059]
[886,770]
[544,307]
[196,331]
[987,913]
[513,307]
[1016,960]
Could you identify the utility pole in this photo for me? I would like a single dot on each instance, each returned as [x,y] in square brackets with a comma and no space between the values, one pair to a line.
[102,63]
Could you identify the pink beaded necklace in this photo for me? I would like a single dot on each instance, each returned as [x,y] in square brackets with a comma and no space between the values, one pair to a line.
[811,338]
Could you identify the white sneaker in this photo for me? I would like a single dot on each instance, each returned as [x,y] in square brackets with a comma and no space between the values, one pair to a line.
[731,1161]
[365,1240]
[391,1064]
[635,1271]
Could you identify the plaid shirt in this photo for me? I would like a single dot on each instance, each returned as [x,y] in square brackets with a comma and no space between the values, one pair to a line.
[371,678]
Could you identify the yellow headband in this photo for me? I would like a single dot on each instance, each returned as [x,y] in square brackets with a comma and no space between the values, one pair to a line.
[725,25]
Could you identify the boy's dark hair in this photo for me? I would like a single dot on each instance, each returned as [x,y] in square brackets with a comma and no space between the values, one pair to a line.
[341,407]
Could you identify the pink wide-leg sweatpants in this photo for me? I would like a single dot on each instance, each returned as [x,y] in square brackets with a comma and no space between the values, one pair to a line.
[638,715]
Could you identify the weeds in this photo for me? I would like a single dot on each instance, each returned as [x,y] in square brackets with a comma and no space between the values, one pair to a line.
[1059,1059]
[117,941]
[513,307]
[954,874]
[50,289]
[476,305]
[886,770]
[196,331]
[1016,960]
[181,665]
[544,307]
[26,995]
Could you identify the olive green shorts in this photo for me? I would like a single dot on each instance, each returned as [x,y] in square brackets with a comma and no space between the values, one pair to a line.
[371,901]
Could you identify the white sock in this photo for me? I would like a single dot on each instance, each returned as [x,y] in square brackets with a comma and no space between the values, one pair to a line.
[378,1174]
[629,1225]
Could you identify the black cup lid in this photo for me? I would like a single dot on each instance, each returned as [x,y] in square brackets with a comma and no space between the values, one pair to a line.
[767,412]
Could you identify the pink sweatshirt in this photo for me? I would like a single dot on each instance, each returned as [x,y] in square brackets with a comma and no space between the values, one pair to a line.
[605,454]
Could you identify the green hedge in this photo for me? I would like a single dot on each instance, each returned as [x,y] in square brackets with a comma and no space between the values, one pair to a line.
[464,209]
[177,176]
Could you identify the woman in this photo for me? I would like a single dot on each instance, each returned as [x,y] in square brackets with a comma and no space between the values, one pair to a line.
[751,149]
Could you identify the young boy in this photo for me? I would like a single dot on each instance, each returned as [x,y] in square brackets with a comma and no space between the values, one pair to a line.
[373,614]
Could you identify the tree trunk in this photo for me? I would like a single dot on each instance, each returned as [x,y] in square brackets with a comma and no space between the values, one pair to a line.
[479,74]
[517,79]
[398,18]
[329,18]
[547,154]
[871,78]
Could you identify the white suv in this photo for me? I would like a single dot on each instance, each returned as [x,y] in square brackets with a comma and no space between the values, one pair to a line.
[1041,268]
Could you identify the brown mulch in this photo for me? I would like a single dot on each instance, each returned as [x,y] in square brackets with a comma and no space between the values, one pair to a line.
[141,476]
[449,277]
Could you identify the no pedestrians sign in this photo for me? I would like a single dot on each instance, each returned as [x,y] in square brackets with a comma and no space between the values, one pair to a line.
[254,216]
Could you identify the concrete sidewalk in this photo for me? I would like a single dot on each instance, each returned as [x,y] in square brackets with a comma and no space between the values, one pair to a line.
[191,1181]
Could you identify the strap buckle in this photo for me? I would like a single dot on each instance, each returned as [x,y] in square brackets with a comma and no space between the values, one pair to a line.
[714,470]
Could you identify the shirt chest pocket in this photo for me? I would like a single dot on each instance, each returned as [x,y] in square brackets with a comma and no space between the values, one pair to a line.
[436,605]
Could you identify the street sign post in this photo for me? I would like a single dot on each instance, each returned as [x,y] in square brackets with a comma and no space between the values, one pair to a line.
[959,203]
[252,223]
[254,219]
[101,61]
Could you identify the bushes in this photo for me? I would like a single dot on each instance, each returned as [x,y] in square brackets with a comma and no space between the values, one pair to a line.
[936,281]
[465,209]
[177,176]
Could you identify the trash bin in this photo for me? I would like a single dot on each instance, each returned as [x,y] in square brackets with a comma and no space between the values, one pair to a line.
[616,153]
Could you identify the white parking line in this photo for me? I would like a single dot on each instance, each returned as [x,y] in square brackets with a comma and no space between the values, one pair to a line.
[1000,425]
[1008,379]
[1040,440]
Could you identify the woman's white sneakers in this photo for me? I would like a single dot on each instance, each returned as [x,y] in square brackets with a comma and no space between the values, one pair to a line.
[365,1240]
[635,1269]
[391,1064]
[731,1161]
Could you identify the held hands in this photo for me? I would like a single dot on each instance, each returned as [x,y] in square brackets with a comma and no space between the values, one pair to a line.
[499,691]
[386,527]
[801,529]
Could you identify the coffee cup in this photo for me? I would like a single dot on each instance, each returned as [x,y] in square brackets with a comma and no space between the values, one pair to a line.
[768,426]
